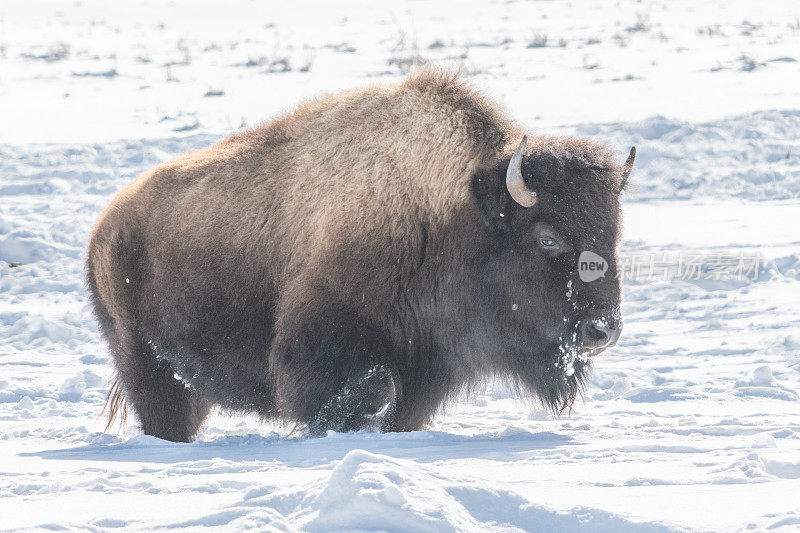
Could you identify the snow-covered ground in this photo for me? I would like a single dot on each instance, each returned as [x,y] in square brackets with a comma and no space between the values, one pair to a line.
[691,423]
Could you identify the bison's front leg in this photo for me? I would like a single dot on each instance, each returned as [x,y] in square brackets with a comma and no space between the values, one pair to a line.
[367,402]
[330,369]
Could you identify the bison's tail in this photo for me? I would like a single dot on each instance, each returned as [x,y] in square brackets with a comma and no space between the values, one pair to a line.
[117,405]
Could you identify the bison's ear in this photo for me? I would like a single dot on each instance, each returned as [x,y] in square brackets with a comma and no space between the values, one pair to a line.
[492,197]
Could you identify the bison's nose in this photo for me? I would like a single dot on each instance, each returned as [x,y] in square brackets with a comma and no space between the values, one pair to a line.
[598,331]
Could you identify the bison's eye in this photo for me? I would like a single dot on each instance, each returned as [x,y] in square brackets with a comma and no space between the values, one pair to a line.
[548,243]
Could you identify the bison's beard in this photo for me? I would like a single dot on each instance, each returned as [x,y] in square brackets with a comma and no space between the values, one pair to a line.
[576,366]
[556,376]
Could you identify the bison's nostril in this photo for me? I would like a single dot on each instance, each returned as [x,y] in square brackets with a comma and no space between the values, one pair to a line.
[596,333]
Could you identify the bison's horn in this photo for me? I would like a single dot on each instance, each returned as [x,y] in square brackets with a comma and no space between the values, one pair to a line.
[628,166]
[514,181]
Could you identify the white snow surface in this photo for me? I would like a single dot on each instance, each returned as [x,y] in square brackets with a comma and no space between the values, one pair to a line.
[691,423]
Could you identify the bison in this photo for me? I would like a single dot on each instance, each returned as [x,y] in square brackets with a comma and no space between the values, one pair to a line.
[358,262]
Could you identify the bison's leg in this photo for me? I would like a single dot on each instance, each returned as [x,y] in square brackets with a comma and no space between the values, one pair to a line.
[329,369]
[165,407]
[423,394]
[367,402]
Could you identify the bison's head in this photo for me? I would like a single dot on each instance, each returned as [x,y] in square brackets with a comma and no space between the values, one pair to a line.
[550,291]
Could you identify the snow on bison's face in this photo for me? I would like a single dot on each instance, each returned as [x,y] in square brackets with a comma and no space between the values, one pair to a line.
[554,293]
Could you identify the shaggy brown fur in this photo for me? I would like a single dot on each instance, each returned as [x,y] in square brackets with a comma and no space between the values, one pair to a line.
[359,252]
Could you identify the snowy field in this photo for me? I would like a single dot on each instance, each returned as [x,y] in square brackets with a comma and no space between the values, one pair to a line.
[691,423]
